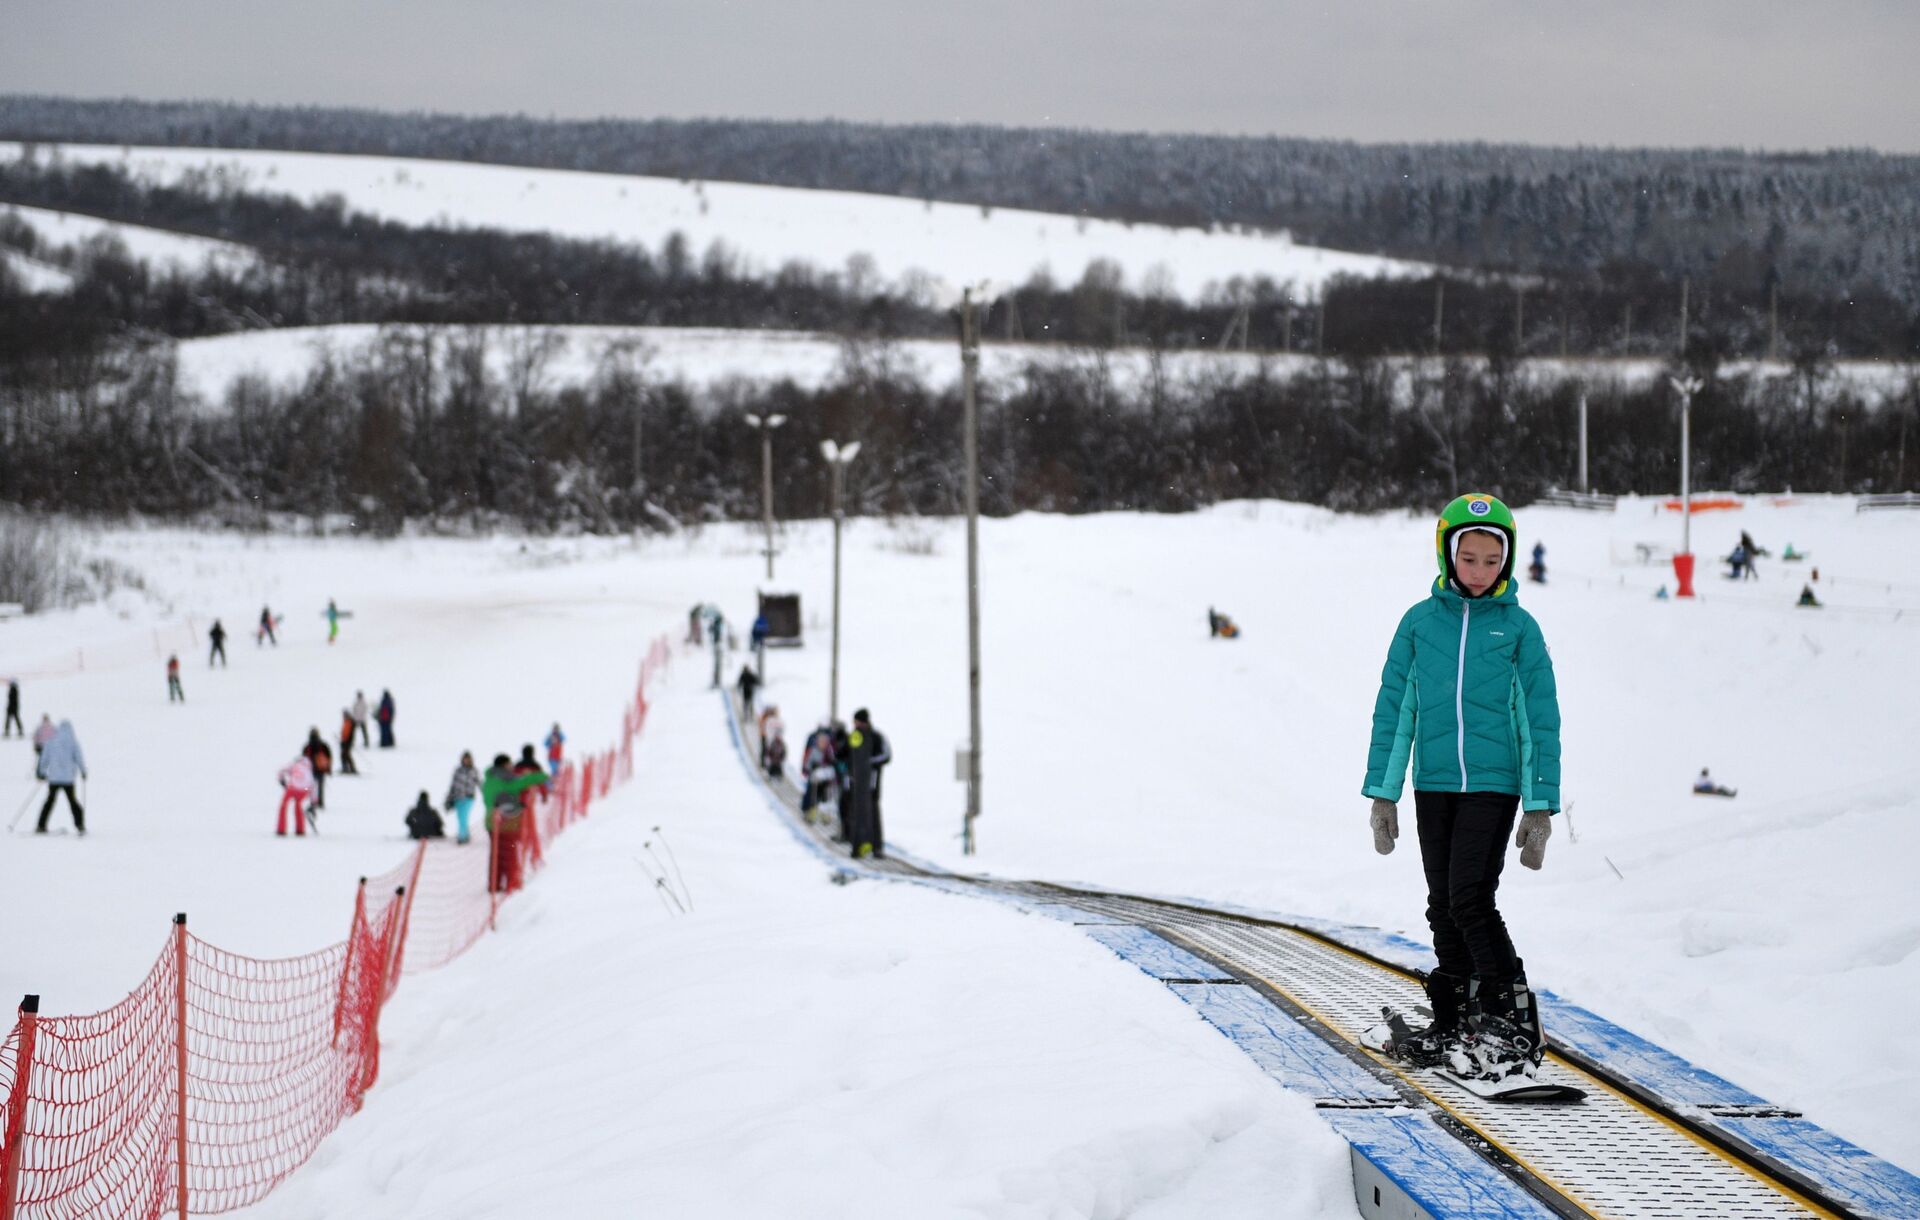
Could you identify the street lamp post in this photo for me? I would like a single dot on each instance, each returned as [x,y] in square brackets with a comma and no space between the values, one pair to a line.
[1683,562]
[838,456]
[766,427]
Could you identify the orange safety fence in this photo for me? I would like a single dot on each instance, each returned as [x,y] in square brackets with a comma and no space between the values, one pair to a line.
[220,1074]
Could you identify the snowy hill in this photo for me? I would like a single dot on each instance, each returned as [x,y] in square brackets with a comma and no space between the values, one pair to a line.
[1766,938]
[66,232]
[766,226]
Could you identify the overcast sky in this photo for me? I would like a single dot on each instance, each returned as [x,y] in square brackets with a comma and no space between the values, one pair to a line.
[1756,73]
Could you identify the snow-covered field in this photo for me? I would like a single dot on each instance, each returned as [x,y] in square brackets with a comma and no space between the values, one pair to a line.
[790,1041]
[767,226]
[702,357]
[160,248]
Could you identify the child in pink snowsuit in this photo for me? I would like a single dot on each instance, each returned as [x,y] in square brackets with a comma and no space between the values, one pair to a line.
[296,782]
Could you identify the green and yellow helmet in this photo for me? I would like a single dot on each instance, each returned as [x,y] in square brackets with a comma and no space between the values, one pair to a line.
[1474,511]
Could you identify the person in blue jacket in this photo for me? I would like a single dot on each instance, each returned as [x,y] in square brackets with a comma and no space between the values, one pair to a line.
[1467,699]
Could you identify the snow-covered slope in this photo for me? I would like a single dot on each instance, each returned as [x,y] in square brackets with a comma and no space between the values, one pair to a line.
[1771,938]
[162,249]
[768,226]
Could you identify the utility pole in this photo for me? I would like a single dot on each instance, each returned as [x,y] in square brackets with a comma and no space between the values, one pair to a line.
[1583,484]
[1686,287]
[1439,310]
[1683,562]
[838,457]
[970,308]
[766,427]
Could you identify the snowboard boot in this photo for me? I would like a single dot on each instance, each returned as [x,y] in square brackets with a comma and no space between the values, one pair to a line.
[1447,1001]
[1503,1035]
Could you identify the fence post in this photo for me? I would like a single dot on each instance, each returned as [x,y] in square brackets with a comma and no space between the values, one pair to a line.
[397,930]
[346,966]
[180,1025]
[407,891]
[17,1107]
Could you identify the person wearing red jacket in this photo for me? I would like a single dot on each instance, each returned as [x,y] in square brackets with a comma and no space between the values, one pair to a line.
[296,784]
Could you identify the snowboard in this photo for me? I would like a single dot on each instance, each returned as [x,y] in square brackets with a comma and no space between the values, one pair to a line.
[1393,1030]
[1717,792]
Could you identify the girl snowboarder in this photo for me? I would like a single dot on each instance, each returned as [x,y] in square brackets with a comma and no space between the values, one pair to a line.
[296,784]
[1468,697]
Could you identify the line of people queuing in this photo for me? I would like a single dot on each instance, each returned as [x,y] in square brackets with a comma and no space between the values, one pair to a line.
[840,773]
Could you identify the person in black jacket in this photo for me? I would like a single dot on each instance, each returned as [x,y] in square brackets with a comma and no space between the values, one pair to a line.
[218,636]
[749,683]
[13,708]
[384,715]
[868,753]
[423,821]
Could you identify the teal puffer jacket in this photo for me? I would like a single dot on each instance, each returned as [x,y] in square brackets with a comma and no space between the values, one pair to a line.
[1468,697]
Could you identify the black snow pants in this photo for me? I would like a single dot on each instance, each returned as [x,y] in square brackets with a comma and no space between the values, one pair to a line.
[73,803]
[1463,844]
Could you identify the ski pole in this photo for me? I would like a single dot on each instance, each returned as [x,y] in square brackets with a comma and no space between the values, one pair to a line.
[678,876]
[24,805]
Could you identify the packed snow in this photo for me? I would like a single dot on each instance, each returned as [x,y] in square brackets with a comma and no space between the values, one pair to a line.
[792,1045]
[767,226]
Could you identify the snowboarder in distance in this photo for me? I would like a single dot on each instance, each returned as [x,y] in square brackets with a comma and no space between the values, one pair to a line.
[1537,570]
[360,714]
[60,763]
[174,693]
[423,822]
[384,714]
[346,743]
[867,753]
[1807,598]
[263,634]
[1221,626]
[556,747]
[461,791]
[217,636]
[320,755]
[1705,785]
[296,785]
[334,615]
[13,709]
[1462,660]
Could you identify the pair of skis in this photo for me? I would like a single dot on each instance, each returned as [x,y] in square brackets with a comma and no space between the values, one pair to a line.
[1393,1033]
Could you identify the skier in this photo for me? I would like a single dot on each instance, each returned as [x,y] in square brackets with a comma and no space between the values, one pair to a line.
[461,790]
[360,713]
[346,744]
[174,693]
[61,761]
[423,822]
[1537,570]
[1706,785]
[296,784]
[717,628]
[42,734]
[13,709]
[748,683]
[556,746]
[320,755]
[218,637]
[333,621]
[868,754]
[1468,694]
[263,634]
[385,716]
[1738,563]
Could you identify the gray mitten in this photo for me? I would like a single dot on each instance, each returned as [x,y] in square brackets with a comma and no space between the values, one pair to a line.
[1535,827]
[1385,821]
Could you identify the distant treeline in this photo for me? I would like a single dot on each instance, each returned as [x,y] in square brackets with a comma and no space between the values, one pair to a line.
[418,429]
[323,263]
[1825,226]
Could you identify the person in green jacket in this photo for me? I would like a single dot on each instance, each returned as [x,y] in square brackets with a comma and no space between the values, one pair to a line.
[1467,699]
[502,794]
